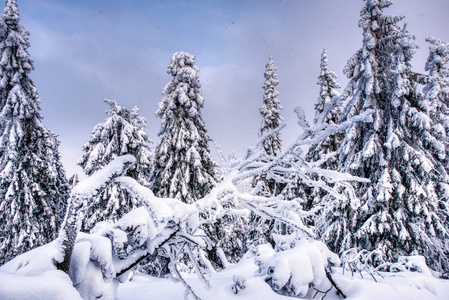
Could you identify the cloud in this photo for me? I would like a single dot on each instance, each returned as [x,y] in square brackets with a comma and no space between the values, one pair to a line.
[90,50]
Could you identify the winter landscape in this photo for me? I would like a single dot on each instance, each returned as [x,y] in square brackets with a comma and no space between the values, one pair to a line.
[354,206]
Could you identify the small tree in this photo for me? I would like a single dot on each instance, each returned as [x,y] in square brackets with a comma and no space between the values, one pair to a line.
[33,185]
[267,183]
[123,132]
[183,166]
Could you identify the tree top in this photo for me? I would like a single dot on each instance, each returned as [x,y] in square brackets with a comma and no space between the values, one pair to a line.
[11,12]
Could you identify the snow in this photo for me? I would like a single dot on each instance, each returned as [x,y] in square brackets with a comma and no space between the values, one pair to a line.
[33,276]
[146,287]
[394,286]
[48,285]
[298,266]
[88,187]
[19,279]
[263,273]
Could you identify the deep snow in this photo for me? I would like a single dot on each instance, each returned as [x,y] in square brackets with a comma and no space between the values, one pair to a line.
[397,286]
[31,277]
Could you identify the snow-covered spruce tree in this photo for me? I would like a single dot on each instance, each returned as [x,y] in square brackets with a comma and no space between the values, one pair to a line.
[436,92]
[326,112]
[397,150]
[271,120]
[33,184]
[123,132]
[436,102]
[270,110]
[183,166]
[267,184]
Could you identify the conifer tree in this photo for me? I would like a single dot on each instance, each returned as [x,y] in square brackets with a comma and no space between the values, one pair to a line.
[436,102]
[267,183]
[326,112]
[271,120]
[270,110]
[436,95]
[123,132]
[396,149]
[183,166]
[33,184]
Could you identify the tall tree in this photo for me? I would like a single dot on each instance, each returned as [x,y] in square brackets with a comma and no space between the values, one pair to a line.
[123,132]
[267,183]
[436,95]
[436,104]
[399,208]
[270,110]
[327,111]
[269,131]
[33,184]
[183,166]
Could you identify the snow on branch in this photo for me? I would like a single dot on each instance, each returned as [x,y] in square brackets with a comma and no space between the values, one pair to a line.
[82,194]
[294,272]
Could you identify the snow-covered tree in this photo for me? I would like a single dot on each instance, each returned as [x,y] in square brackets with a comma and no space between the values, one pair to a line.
[270,110]
[327,111]
[396,150]
[183,166]
[436,95]
[436,103]
[33,184]
[123,132]
[269,130]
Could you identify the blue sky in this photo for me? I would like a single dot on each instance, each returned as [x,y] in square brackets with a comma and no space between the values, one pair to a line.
[88,50]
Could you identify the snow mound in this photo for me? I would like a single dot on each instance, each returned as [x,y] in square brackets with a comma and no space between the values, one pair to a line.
[33,276]
[295,271]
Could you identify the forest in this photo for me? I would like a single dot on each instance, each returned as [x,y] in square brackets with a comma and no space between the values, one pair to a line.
[363,192]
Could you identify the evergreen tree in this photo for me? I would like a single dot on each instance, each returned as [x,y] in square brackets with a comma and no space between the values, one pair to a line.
[326,112]
[436,102]
[270,110]
[436,95]
[123,132]
[183,166]
[33,185]
[268,183]
[271,120]
[395,149]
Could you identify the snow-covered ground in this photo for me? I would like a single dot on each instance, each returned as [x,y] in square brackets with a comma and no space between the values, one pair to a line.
[402,285]
[32,276]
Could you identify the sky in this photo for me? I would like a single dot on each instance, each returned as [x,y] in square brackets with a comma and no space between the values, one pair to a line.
[87,50]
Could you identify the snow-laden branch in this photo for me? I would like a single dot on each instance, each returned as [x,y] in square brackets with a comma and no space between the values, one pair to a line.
[255,162]
[79,201]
